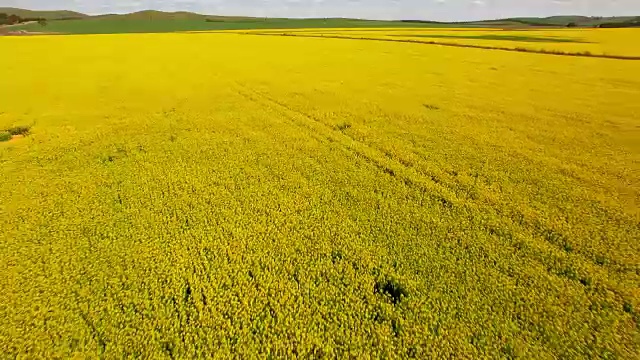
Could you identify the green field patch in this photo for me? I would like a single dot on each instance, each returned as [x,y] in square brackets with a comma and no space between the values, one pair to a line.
[117,25]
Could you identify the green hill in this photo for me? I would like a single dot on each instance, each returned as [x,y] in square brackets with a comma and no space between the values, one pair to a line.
[153,15]
[156,15]
[49,15]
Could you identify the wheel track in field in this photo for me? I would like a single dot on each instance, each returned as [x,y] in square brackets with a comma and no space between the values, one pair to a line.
[97,335]
[451,44]
[436,191]
[372,155]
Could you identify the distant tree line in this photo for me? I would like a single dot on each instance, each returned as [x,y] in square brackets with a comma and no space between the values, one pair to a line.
[631,23]
[12,19]
[541,22]
[431,22]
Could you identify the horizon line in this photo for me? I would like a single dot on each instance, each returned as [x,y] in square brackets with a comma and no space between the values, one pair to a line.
[318,18]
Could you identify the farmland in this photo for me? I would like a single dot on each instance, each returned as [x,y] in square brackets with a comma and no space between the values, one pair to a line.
[588,42]
[152,21]
[206,194]
[112,25]
[161,22]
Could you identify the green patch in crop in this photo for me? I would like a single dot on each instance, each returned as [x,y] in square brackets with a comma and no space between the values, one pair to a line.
[8,134]
[119,153]
[388,171]
[430,107]
[558,239]
[445,203]
[412,352]
[435,329]
[379,315]
[5,136]
[601,260]
[627,307]
[396,327]
[567,247]
[569,273]
[336,256]
[343,126]
[392,290]
[108,158]
[187,294]
[509,351]
[585,281]
[169,347]
[19,130]
[573,275]
[479,340]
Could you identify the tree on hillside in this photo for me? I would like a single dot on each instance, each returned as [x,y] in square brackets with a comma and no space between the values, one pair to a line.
[13,19]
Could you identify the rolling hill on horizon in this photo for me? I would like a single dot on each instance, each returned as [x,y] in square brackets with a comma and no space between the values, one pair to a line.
[154,21]
[45,14]
[556,20]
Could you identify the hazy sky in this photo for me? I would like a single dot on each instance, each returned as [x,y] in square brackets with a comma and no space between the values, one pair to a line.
[374,9]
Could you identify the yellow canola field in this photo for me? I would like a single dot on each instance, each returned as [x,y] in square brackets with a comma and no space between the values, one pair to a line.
[219,195]
[616,42]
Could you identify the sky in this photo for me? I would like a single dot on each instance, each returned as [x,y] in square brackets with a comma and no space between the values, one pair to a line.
[441,10]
